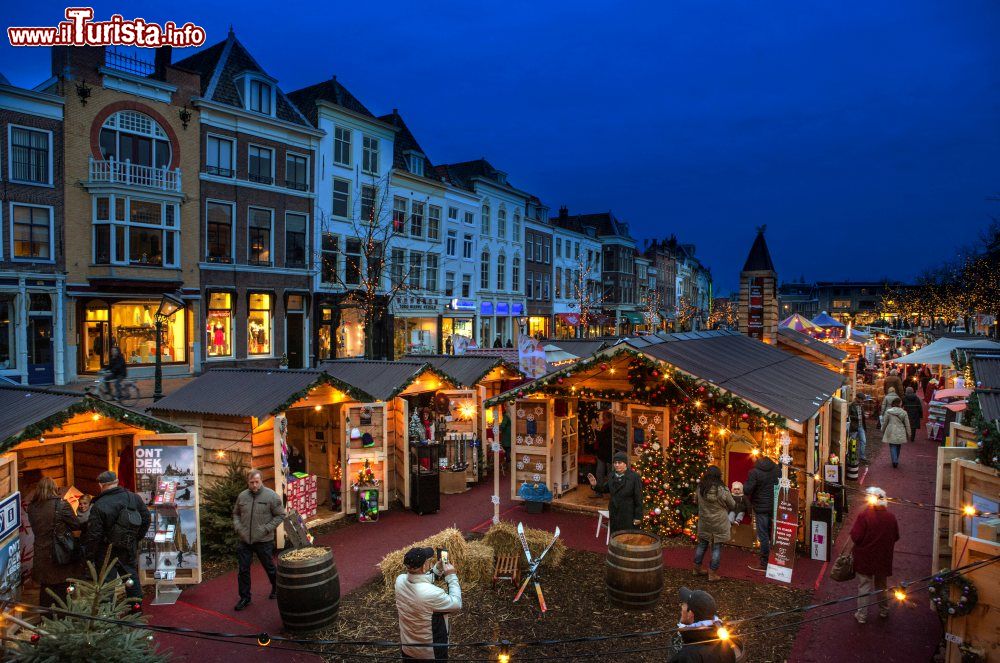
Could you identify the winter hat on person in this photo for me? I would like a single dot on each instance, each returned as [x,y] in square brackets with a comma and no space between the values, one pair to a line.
[909,390]
[737,488]
[700,603]
[620,457]
[876,496]
[415,557]
[107,477]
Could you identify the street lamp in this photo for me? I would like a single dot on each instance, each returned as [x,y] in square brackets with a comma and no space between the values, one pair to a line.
[169,304]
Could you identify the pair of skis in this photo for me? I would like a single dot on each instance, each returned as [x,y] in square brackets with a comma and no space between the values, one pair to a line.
[533,566]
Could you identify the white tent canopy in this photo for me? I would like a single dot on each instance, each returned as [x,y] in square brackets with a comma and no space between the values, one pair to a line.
[939,352]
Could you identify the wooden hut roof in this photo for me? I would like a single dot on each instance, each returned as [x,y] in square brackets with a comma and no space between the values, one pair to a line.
[808,343]
[383,380]
[466,370]
[27,412]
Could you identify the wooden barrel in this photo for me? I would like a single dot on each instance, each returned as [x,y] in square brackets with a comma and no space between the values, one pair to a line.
[634,569]
[308,591]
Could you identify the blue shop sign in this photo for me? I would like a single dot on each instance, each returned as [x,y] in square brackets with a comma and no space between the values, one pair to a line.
[463,305]
[10,515]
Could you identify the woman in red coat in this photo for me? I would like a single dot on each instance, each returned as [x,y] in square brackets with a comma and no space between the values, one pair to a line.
[874,534]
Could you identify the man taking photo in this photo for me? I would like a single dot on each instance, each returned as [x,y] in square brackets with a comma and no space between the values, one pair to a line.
[424,607]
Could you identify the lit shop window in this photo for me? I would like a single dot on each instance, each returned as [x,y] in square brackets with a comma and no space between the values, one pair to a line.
[259,324]
[350,334]
[219,325]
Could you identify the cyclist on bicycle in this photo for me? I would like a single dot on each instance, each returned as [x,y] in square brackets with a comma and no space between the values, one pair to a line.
[117,370]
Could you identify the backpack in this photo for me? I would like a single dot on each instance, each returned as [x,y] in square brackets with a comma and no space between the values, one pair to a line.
[124,532]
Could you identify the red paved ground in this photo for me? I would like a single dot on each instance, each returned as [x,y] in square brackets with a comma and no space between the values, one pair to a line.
[912,631]
[909,635]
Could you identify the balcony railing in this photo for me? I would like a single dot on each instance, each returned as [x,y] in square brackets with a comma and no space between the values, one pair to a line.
[113,171]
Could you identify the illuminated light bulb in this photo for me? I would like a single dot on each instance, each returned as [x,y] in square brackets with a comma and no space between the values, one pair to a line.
[723,633]
[697,403]
[872,499]
[612,371]
[96,417]
[969,510]
[816,477]
[263,639]
[220,454]
[503,658]
[722,431]
[899,594]
[318,408]
[755,452]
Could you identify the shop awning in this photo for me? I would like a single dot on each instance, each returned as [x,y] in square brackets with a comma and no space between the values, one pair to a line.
[572,319]
[634,317]
[28,412]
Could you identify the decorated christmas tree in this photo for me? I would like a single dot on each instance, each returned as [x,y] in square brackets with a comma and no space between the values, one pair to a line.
[366,475]
[78,637]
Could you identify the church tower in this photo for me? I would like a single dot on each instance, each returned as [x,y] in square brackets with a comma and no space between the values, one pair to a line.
[758,310]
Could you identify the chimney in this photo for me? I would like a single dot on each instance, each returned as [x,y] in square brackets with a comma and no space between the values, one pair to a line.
[161,60]
[563,213]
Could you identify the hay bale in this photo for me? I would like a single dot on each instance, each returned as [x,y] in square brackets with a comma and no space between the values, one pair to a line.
[477,568]
[502,537]
[450,539]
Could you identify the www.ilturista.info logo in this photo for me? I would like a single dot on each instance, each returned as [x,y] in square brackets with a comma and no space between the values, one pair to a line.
[80,29]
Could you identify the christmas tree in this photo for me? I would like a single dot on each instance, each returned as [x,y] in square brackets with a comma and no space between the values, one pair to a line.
[72,636]
[366,475]
[670,476]
[218,538]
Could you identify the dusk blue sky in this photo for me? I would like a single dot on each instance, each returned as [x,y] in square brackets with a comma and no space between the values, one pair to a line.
[866,135]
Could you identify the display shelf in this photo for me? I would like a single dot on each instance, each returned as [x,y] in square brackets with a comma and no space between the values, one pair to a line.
[456,429]
[534,453]
[568,440]
[358,422]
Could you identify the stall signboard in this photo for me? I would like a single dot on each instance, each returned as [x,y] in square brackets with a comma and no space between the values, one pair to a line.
[10,514]
[530,356]
[10,569]
[755,309]
[786,525]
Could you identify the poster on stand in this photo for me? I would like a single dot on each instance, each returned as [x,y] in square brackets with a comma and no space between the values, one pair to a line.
[166,482]
[786,526]
[10,569]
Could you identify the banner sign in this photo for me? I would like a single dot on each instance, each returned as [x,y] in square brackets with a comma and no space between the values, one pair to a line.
[786,526]
[10,515]
[755,309]
[530,356]
[165,480]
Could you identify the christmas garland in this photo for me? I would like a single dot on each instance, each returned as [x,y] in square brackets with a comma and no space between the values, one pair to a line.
[939,589]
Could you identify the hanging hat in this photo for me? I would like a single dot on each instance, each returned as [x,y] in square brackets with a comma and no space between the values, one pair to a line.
[355,434]
[367,440]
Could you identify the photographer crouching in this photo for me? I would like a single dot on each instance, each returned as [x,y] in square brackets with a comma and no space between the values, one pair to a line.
[423,607]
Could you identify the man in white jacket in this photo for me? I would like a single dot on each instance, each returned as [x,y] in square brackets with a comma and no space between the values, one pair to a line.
[423,606]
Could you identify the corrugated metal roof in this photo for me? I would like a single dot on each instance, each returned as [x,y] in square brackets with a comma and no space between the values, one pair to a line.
[238,392]
[21,407]
[989,403]
[463,370]
[380,379]
[987,372]
[805,340]
[579,347]
[774,379]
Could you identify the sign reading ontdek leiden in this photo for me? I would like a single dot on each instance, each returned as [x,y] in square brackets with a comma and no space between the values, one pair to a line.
[755,309]
[786,525]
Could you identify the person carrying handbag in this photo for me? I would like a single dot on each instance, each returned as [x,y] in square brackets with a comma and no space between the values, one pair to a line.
[57,556]
[875,533]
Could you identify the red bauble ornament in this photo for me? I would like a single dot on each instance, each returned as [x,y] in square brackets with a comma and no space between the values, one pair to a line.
[655,374]
[604,367]
[35,637]
[745,415]
[701,390]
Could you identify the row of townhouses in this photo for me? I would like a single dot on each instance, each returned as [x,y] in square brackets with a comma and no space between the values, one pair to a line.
[276,218]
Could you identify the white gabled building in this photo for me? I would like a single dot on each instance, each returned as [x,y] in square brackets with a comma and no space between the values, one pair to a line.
[576,252]
[500,282]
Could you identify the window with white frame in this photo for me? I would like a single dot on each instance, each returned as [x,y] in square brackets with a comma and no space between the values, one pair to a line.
[450,244]
[529,291]
[368,193]
[417,164]
[296,171]
[342,146]
[219,234]
[501,271]
[416,269]
[260,97]
[449,284]
[341,198]
[260,235]
[502,223]
[399,211]
[330,256]
[515,274]
[558,282]
[467,246]
[433,222]
[296,239]
[397,268]
[431,275]
[416,219]
[466,285]
[470,218]
[352,262]
[134,137]
[484,270]
[31,233]
[30,155]
[453,214]
[133,231]
[260,164]
[369,155]
[516,228]
[219,156]
[547,250]
[486,219]
[545,289]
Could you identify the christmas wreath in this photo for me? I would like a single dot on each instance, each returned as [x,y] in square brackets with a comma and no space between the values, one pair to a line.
[939,589]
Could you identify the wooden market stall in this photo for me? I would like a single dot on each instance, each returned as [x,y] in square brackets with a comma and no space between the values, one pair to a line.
[742,394]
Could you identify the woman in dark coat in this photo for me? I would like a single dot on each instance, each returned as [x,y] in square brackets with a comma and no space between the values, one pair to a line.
[914,410]
[48,514]
[625,488]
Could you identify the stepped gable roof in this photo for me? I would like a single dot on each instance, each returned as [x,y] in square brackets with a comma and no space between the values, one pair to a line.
[759,258]
[331,91]
[221,64]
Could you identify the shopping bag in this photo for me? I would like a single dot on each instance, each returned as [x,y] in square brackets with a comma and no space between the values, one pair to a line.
[843,566]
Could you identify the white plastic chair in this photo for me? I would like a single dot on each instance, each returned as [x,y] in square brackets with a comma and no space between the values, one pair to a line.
[601,515]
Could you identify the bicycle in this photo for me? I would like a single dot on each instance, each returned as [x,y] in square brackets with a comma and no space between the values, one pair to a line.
[105,389]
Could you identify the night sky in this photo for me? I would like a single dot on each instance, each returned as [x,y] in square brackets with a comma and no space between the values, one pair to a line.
[866,135]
